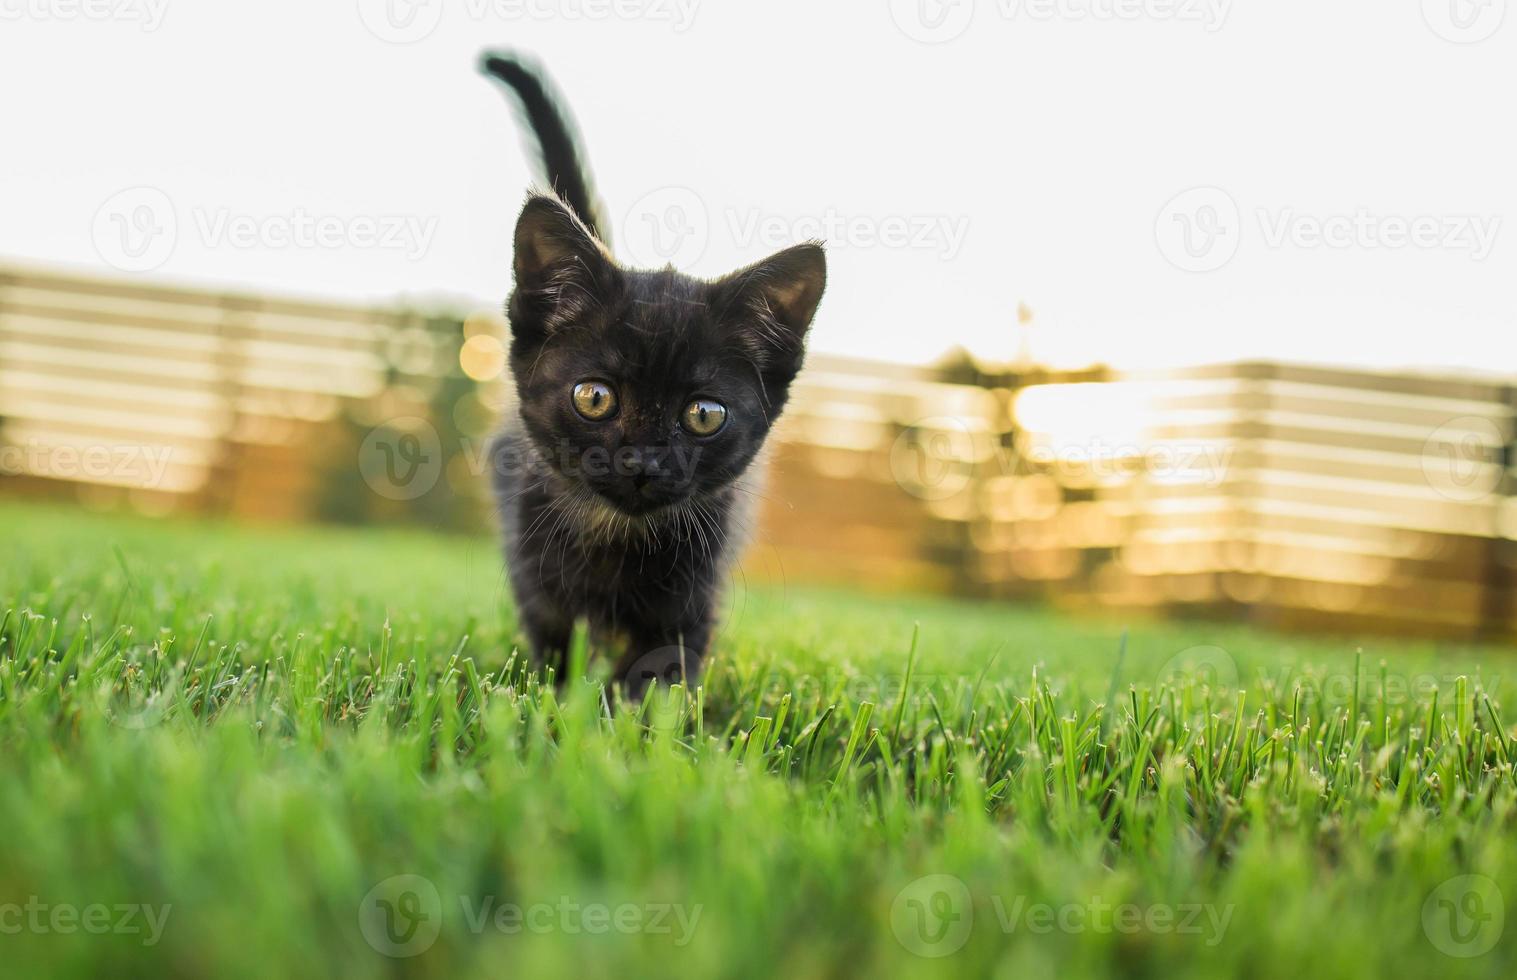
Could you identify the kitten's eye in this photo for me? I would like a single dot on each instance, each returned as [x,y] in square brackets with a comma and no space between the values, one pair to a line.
[704,417]
[594,400]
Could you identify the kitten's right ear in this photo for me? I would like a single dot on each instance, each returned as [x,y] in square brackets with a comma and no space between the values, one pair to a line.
[562,270]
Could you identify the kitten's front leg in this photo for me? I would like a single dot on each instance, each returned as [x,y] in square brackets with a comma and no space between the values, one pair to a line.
[549,630]
[664,655]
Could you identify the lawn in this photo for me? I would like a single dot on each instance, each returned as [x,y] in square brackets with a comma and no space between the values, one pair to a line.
[248,752]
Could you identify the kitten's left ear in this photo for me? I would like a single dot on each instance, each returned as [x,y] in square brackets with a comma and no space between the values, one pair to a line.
[562,271]
[770,305]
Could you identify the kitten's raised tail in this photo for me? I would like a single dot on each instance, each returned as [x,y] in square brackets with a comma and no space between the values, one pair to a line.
[555,135]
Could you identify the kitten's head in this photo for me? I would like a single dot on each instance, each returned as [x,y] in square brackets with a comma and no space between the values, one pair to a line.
[646,388]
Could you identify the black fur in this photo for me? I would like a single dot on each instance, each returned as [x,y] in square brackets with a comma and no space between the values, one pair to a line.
[555,138]
[630,522]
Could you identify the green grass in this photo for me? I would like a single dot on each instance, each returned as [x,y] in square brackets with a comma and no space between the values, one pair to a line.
[259,728]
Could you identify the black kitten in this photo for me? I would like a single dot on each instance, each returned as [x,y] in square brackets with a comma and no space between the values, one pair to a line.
[644,397]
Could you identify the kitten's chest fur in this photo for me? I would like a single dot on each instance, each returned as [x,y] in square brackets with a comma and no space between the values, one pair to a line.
[566,548]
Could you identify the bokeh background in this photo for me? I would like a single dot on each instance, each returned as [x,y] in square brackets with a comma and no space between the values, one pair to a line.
[1235,338]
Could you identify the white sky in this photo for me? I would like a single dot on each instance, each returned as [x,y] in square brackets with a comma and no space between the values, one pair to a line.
[1052,141]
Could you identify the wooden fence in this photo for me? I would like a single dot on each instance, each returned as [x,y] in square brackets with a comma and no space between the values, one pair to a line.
[179,399]
[1294,495]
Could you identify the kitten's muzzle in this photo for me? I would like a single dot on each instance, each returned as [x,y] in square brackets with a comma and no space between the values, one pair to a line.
[642,495]
[642,481]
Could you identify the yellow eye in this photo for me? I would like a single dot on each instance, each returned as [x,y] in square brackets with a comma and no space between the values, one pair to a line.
[704,417]
[594,400]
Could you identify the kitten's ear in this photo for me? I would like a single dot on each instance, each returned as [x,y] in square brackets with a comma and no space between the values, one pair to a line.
[770,304]
[562,270]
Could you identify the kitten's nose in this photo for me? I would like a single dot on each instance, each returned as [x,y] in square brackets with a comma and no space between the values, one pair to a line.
[644,464]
